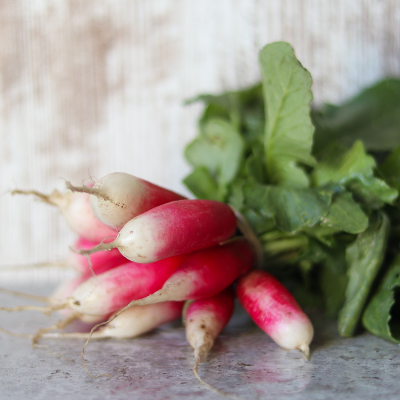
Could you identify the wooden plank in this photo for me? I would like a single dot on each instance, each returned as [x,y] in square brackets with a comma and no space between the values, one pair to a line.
[88,87]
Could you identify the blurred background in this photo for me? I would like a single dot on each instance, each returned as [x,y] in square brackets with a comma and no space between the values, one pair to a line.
[89,87]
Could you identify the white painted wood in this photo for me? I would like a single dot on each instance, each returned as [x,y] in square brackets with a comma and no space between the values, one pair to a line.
[96,86]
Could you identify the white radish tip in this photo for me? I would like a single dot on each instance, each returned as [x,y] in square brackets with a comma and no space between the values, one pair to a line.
[306,350]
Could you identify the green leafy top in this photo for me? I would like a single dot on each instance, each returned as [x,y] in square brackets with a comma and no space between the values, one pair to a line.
[328,222]
[288,130]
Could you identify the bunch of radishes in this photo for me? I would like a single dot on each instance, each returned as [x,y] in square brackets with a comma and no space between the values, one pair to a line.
[168,250]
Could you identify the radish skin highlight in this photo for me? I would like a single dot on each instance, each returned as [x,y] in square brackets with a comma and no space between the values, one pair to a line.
[204,273]
[75,207]
[275,311]
[118,197]
[114,289]
[171,229]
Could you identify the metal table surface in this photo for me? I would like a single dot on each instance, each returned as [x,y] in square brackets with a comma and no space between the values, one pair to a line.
[244,362]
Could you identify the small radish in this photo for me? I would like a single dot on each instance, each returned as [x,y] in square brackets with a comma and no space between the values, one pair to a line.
[100,262]
[76,210]
[171,229]
[114,289]
[275,311]
[119,197]
[133,322]
[204,273]
[205,319]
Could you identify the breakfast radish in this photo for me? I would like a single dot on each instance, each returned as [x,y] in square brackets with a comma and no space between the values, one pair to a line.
[133,322]
[275,311]
[76,210]
[114,289]
[119,197]
[204,273]
[205,319]
[99,262]
[174,228]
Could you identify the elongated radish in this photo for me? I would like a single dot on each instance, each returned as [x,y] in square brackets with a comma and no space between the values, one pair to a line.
[205,319]
[100,262]
[119,197]
[114,289]
[133,322]
[77,212]
[275,311]
[174,228]
[204,273]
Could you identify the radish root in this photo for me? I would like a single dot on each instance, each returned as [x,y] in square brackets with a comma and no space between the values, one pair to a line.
[44,197]
[24,335]
[45,310]
[305,350]
[43,299]
[100,247]
[61,264]
[201,354]
[59,325]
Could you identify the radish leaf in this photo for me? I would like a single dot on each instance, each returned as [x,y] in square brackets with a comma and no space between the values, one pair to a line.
[364,258]
[288,129]
[377,317]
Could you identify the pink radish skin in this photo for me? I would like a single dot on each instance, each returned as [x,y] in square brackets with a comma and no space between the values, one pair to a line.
[119,197]
[275,311]
[133,322]
[114,289]
[204,273]
[100,262]
[174,228]
[75,207]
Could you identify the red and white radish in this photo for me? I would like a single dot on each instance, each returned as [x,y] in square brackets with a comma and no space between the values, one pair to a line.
[99,262]
[275,311]
[171,229]
[133,322]
[76,210]
[119,197]
[205,319]
[204,273]
[114,289]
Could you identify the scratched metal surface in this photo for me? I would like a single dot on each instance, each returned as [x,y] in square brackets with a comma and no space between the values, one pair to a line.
[244,362]
[97,86]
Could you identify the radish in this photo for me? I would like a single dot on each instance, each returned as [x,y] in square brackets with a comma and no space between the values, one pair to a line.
[205,319]
[119,197]
[114,289]
[76,210]
[100,262]
[275,311]
[133,322]
[174,228]
[204,273]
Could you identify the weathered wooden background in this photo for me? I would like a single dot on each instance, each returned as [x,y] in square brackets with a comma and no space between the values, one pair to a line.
[96,86]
